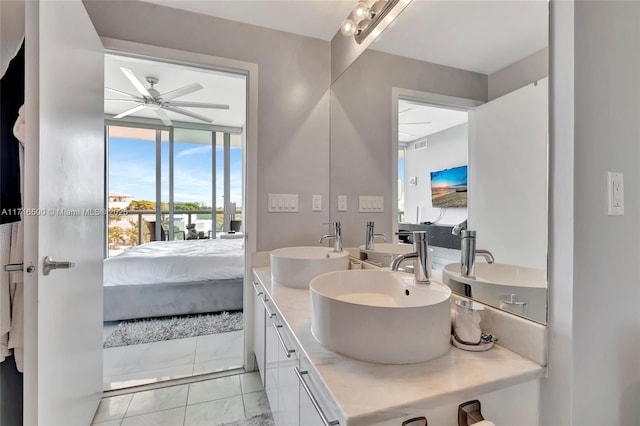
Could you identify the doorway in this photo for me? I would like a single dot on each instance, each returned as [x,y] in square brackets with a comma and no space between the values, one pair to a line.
[174,247]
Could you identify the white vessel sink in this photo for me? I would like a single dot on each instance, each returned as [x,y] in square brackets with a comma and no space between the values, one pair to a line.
[517,289]
[296,266]
[386,252]
[499,273]
[380,316]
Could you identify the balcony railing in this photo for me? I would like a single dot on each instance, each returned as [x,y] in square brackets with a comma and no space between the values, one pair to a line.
[140,219]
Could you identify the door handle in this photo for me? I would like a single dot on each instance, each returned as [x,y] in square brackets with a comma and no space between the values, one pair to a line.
[49,264]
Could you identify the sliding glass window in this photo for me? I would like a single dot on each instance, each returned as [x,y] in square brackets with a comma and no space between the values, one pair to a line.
[172,184]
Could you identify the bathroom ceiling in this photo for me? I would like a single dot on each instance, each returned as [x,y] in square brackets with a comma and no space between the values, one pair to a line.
[313,18]
[218,88]
[468,30]
[416,120]
[481,36]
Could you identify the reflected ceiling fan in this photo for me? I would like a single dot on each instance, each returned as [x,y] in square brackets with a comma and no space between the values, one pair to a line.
[151,99]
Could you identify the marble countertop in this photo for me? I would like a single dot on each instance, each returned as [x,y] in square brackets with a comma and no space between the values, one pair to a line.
[368,393]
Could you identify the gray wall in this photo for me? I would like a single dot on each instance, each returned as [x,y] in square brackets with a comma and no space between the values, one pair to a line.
[361,116]
[606,248]
[293,122]
[525,71]
[595,293]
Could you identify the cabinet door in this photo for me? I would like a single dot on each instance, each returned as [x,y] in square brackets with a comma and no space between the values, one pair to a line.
[272,346]
[258,329]
[288,386]
[310,388]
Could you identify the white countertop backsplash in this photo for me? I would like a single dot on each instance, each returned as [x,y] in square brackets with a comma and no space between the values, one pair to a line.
[368,393]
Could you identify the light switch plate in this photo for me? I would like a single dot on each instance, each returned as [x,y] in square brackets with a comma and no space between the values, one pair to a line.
[615,194]
[371,204]
[342,203]
[283,203]
[316,203]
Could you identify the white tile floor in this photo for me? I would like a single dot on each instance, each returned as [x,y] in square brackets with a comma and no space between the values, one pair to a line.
[135,365]
[210,402]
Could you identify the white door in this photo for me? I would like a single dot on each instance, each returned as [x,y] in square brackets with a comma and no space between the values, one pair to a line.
[64,192]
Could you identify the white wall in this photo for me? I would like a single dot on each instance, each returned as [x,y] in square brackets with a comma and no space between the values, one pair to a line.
[445,149]
[293,102]
[507,147]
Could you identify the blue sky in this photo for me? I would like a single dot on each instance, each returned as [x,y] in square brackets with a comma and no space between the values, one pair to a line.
[132,171]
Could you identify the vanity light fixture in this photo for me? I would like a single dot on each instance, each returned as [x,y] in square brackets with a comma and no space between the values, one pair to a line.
[365,16]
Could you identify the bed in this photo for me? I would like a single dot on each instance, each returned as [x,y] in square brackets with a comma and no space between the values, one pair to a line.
[164,278]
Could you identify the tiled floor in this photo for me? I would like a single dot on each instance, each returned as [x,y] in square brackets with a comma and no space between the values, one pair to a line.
[210,402]
[134,365]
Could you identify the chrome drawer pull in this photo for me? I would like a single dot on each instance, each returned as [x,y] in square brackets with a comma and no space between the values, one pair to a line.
[256,287]
[287,351]
[266,308]
[313,399]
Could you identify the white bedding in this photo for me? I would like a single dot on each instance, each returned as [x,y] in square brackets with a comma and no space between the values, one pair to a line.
[175,262]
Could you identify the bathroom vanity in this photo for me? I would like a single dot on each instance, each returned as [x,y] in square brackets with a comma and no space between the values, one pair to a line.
[309,385]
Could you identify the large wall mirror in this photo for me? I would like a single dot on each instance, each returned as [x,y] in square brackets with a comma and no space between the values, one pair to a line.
[445,116]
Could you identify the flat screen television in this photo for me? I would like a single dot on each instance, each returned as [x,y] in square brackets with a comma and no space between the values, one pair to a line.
[449,187]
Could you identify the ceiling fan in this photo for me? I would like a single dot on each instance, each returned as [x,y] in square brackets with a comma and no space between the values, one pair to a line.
[151,99]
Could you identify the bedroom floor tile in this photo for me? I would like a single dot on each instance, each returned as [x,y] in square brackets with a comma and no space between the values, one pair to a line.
[134,365]
[124,359]
[216,346]
[147,376]
[170,353]
[217,365]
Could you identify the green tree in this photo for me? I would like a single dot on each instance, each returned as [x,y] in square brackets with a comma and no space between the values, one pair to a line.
[142,205]
[190,206]
[115,234]
[132,233]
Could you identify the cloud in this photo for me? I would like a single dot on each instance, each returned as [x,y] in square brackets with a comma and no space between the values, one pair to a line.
[194,151]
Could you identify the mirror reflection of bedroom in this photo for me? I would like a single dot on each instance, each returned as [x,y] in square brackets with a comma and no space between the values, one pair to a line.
[174,252]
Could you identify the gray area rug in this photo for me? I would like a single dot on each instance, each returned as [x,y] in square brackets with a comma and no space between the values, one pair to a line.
[136,332]
[263,419]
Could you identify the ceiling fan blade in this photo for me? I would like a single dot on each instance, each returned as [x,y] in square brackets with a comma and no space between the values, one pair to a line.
[418,122]
[164,117]
[119,92]
[196,105]
[181,91]
[134,80]
[122,100]
[130,111]
[188,113]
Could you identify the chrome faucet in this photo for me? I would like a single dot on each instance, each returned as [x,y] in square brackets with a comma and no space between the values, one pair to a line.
[459,227]
[371,236]
[420,251]
[469,252]
[337,237]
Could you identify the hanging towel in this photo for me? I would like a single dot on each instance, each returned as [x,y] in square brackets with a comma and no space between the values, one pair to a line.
[5,291]
[16,255]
